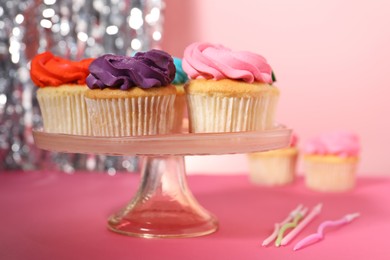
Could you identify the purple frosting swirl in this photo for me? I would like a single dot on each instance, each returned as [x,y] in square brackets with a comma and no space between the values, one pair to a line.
[153,68]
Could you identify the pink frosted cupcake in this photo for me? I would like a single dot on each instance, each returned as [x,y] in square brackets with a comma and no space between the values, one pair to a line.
[228,91]
[276,167]
[330,162]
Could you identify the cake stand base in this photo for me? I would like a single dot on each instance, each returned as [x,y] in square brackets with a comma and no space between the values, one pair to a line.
[163,205]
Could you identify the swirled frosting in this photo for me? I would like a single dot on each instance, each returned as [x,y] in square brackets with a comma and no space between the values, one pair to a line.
[211,61]
[180,77]
[49,70]
[342,144]
[153,68]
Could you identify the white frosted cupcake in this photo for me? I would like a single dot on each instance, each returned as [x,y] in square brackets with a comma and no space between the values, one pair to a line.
[330,162]
[228,91]
[276,167]
[131,96]
[61,92]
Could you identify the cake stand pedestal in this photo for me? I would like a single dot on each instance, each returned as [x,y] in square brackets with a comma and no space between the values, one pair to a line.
[164,205]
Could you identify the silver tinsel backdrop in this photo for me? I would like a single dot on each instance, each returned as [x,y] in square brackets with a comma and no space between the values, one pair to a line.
[72,29]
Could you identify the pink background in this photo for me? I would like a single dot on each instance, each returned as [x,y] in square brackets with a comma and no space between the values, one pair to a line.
[331,59]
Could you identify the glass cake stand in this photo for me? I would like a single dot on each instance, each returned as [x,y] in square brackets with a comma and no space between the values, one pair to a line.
[164,205]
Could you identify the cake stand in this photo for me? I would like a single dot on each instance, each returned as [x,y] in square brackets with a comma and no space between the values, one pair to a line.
[164,205]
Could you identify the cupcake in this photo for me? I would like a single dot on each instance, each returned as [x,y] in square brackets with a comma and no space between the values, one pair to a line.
[276,167]
[228,91]
[180,105]
[61,92]
[131,96]
[330,162]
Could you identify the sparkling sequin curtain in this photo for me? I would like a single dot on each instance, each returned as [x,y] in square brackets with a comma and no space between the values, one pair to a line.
[73,29]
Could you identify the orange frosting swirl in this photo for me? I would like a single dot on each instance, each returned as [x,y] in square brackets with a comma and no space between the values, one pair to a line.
[49,70]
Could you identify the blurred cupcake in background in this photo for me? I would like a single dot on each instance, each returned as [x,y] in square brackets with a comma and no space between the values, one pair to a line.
[275,167]
[180,105]
[330,161]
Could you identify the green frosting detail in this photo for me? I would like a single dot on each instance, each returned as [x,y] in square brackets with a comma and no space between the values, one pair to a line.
[273,77]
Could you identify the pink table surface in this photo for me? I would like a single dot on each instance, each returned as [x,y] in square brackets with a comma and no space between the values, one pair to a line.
[58,216]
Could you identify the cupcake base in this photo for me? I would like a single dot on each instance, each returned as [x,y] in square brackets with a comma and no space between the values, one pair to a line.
[273,168]
[64,110]
[131,113]
[230,106]
[180,109]
[330,173]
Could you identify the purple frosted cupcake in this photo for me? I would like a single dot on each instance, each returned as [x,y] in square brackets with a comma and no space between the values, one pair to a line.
[131,96]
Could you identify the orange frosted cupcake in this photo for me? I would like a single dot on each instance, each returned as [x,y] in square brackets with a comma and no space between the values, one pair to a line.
[276,167]
[330,162]
[61,92]
[228,91]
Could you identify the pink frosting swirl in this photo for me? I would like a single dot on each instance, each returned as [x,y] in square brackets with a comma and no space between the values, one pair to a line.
[342,144]
[211,61]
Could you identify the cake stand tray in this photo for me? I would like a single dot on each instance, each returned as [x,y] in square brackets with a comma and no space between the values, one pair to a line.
[174,144]
[164,206]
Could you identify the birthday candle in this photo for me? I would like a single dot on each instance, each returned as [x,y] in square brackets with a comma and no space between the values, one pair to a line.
[316,237]
[313,213]
[289,225]
[277,226]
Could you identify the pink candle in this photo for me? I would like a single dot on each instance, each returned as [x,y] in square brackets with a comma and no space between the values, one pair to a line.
[313,238]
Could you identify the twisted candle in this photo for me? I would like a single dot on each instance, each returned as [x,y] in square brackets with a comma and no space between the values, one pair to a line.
[316,237]
[290,225]
[277,226]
